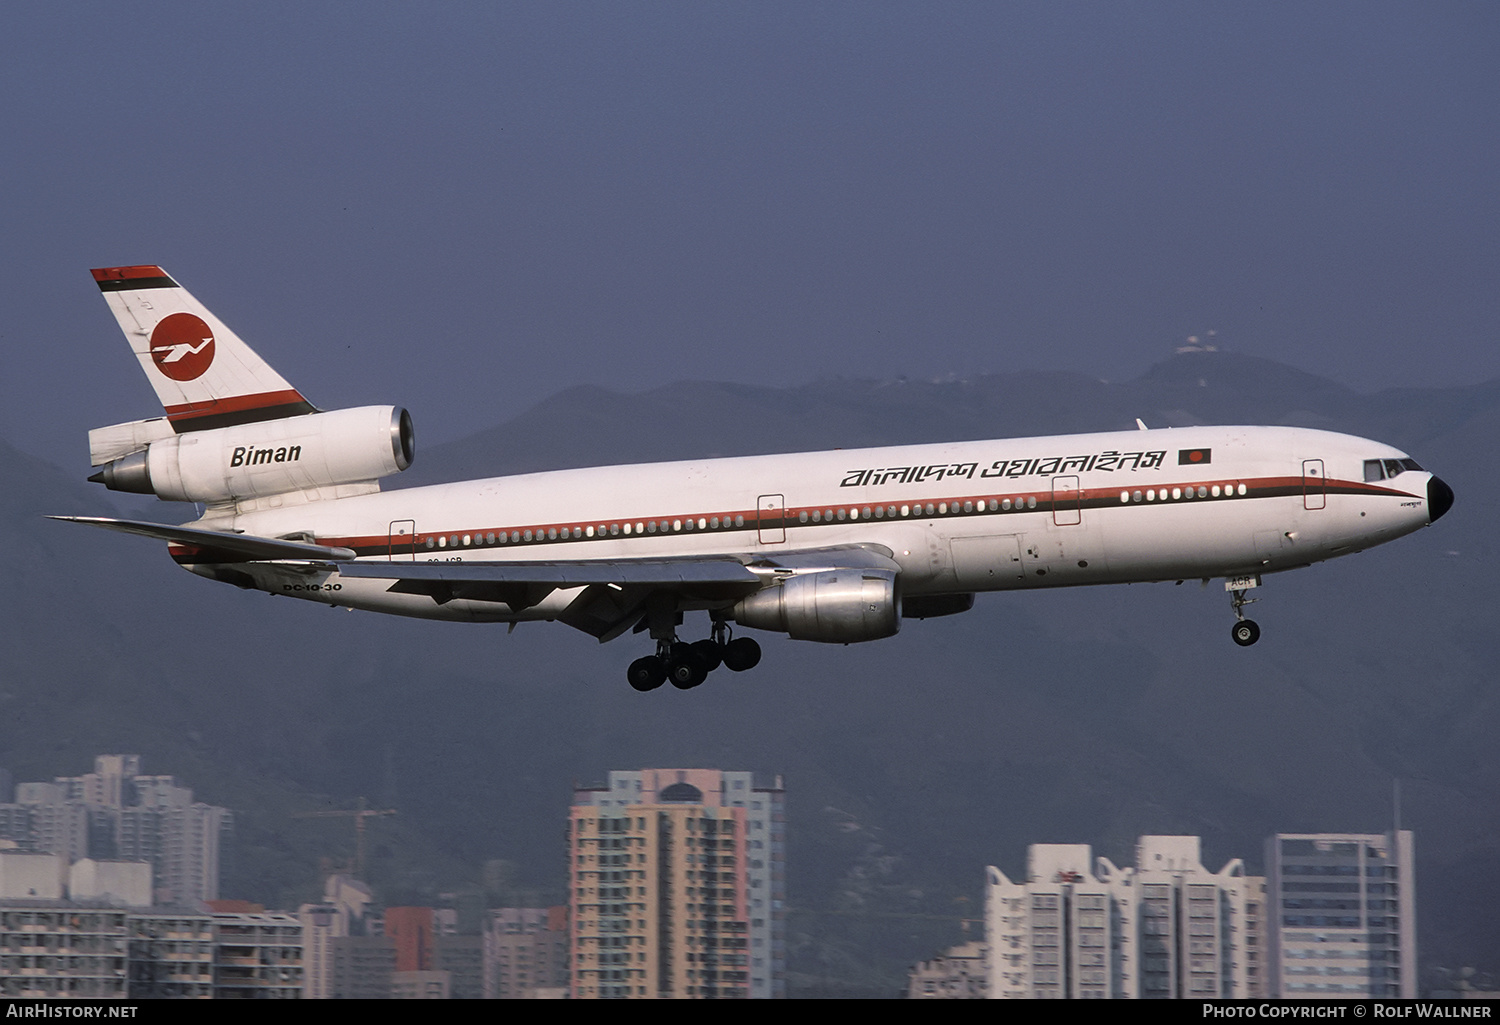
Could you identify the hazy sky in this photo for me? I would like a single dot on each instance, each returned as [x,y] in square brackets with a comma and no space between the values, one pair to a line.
[463,207]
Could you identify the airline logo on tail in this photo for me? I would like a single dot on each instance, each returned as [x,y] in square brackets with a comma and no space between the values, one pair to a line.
[182,346]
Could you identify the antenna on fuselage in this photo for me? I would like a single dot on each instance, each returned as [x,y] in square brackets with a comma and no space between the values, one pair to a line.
[1141,424]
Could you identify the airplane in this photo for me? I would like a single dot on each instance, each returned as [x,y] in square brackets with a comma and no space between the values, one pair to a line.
[836,546]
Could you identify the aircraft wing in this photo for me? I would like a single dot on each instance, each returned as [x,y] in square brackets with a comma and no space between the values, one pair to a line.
[247,546]
[613,593]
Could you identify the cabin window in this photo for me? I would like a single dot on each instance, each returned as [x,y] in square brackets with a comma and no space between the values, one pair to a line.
[1005,505]
[1031,502]
[739,521]
[1124,497]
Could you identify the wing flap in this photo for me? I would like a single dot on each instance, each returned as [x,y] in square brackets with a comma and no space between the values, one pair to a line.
[611,595]
[705,578]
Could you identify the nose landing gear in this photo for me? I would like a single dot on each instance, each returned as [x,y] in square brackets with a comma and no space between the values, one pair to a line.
[1245,631]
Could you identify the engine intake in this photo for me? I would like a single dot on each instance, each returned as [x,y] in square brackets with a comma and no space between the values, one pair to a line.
[271,457]
[837,606]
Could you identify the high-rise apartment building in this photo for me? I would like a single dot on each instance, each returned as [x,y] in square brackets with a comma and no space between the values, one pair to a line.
[1081,927]
[1342,913]
[677,880]
[525,953]
[960,973]
[340,916]
[116,814]
[53,950]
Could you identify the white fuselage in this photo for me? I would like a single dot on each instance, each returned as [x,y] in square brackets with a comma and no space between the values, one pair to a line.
[963,517]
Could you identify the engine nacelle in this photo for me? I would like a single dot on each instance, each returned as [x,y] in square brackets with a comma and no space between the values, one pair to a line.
[271,457]
[838,606]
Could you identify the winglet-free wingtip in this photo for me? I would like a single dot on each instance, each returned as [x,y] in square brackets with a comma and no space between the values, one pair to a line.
[248,545]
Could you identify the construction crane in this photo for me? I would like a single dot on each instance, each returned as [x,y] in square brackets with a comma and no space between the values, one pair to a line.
[359,814]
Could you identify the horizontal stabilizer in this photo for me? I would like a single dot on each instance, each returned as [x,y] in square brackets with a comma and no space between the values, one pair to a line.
[249,546]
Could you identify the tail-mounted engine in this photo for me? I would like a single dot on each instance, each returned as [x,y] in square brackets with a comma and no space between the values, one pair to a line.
[272,457]
[839,606]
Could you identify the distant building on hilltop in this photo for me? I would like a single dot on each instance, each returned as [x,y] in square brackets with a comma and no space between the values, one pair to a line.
[677,882]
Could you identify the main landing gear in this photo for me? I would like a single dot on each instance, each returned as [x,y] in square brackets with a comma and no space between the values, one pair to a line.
[687,665]
[1245,631]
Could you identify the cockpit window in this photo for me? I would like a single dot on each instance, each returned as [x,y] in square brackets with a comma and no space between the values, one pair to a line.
[1384,469]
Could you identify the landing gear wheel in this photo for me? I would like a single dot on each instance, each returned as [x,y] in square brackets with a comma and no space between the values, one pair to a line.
[647,673]
[685,669]
[1245,633]
[740,654]
[711,652]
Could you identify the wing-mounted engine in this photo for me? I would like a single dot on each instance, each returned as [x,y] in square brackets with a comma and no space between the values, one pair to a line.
[839,606]
[271,457]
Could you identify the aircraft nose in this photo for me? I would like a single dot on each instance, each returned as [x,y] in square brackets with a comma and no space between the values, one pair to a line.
[1439,499]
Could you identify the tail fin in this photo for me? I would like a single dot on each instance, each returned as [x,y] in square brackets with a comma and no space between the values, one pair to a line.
[204,375]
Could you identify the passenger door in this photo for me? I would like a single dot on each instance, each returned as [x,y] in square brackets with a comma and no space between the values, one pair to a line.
[402,541]
[770,510]
[1314,486]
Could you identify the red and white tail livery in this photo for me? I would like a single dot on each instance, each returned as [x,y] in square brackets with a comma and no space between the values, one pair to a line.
[823,546]
[204,375]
